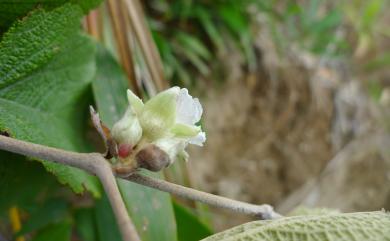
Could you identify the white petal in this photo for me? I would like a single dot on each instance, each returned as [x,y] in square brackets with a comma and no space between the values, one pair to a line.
[172,146]
[199,139]
[188,109]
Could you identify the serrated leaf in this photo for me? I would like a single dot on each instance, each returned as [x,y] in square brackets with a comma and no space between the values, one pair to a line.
[11,10]
[150,210]
[46,66]
[374,226]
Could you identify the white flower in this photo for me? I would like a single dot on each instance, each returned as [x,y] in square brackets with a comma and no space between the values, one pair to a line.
[168,120]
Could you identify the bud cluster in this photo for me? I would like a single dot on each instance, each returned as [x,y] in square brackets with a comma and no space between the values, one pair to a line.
[154,134]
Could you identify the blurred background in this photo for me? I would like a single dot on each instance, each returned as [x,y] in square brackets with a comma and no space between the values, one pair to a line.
[296,98]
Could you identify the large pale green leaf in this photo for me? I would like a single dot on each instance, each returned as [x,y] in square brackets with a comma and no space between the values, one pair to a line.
[374,226]
[46,67]
[150,210]
[11,10]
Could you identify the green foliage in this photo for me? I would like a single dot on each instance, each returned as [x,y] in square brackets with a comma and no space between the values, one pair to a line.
[350,226]
[21,181]
[59,232]
[190,34]
[188,225]
[150,210]
[85,224]
[46,66]
[11,10]
[53,211]
[107,227]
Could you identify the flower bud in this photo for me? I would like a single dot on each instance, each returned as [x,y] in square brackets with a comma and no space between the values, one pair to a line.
[128,129]
[152,158]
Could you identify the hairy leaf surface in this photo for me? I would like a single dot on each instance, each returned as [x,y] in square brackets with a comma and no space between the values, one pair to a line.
[11,10]
[46,66]
[347,227]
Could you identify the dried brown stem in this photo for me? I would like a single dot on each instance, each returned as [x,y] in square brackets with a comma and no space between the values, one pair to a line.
[122,42]
[145,40]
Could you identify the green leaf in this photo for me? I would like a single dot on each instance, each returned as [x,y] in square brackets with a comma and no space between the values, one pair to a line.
[85,224]
[150,210]
[109,88]
[380,62]
[234,18]
[193,44]
[370,13]
[51,212]
[375,90]
[46,67]
[107,226]
[11,10]
[374,226]
[21,180]
[58,232]
[210,28]
[189,228]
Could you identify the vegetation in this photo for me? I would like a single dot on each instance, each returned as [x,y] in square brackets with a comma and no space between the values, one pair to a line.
[59,57]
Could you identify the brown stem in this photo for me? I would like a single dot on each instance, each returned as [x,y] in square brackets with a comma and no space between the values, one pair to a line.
[95,164]
[261,211]
[146,42]
[110,186]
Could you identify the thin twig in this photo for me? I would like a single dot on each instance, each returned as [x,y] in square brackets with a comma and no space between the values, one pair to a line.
[125,224]
[261,211]
[105,134]
[91,162]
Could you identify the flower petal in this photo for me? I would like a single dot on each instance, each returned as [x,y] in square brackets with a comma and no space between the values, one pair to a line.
[135,102]
[199,139]
[158,114]
[172,146]
[188,109]
[185,131]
